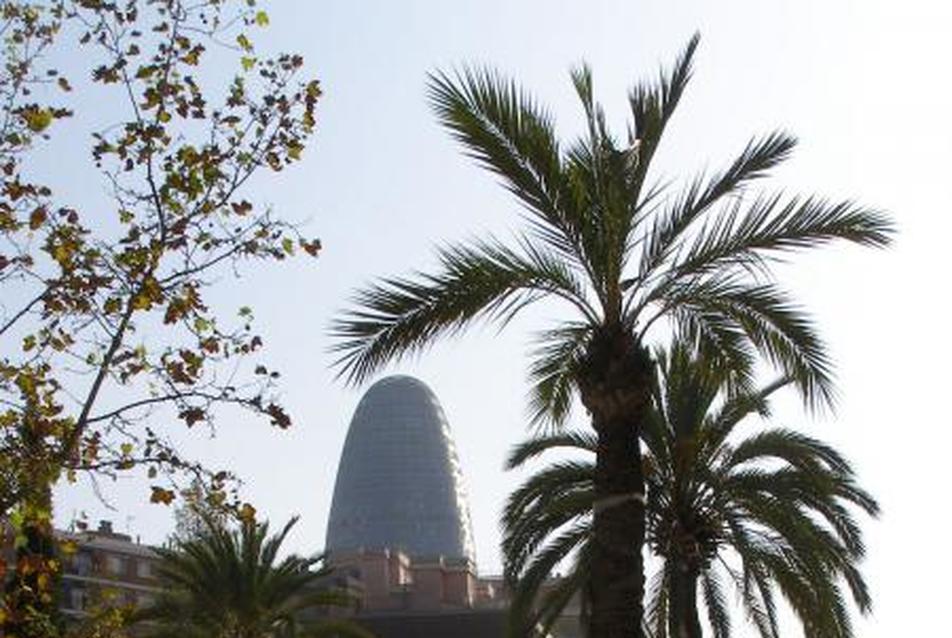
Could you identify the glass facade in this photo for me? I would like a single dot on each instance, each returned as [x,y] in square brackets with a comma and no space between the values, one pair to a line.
[399,483]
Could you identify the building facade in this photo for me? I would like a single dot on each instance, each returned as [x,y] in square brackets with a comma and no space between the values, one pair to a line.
[104,568]
[399,482]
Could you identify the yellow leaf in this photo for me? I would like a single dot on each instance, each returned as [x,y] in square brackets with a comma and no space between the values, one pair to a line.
[141,302]
[38,120]
[261,19]
[243,42]
[247,63]
[247,513]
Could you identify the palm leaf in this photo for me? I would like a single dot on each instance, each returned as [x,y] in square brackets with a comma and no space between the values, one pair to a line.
[482,279]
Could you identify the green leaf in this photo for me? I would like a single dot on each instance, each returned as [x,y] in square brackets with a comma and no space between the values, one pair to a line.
[261,19]
[243,42]
[288,245]
[202,324]
[248,63]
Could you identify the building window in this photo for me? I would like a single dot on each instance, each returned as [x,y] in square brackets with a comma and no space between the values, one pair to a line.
[143,568]
[81,564]
[115,565]
[77,598]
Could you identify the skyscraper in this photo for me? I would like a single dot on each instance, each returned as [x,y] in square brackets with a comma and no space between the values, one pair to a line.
[399,484]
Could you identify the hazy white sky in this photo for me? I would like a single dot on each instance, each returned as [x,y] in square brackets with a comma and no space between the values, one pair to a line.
[864,84]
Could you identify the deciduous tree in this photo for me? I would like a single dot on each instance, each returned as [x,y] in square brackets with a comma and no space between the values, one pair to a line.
[106,332]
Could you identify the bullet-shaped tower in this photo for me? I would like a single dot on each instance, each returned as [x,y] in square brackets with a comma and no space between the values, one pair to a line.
[399,483]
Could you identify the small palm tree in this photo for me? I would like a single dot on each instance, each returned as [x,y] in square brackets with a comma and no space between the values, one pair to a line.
[224,583]
[767,512]
[623,253]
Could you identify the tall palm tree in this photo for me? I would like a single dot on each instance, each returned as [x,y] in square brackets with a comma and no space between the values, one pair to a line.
[225,583]
[766,512]
[623,253]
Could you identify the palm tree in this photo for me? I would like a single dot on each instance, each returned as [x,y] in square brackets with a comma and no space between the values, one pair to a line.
[623,253]
[225,583]
[764,512]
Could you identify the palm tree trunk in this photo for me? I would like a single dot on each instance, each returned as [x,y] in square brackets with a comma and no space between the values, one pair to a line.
[683,618]
[618,580]
[615,388]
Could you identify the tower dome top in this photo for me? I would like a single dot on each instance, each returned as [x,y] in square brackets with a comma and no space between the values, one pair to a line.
[399,483]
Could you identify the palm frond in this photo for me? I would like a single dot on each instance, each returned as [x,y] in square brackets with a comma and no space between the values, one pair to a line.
[531,448]
[656,609]
[715,600]
[653,103]
[771,226]
[535,511]
[553,373]
[530,581]
[398,317]
[800,451]
[718,338]
[503,129]
[764,315]
[661,239]
[558,596]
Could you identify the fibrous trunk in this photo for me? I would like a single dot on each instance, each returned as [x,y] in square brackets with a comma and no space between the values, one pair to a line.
[683,619]
[615,388]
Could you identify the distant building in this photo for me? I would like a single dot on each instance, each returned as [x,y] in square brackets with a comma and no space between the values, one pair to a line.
[105,568]
[399,536]
[399,483]
[399,528]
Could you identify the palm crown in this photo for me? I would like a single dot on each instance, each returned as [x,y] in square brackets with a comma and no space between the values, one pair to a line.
[618,248]
[225,583]
[766,513]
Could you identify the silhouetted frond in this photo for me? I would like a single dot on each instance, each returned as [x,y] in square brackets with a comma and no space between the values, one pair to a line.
[483,279]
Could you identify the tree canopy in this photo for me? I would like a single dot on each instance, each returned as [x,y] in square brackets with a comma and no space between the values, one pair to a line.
[107,334]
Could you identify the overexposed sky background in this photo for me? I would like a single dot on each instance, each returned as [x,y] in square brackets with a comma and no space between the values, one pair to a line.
[864,84]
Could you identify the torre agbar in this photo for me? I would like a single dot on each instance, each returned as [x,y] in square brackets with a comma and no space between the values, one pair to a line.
[399,534]
[399,483]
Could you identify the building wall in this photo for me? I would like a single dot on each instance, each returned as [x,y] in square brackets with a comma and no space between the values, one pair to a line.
[392,580]
[103,568]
